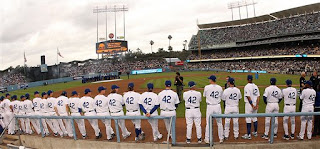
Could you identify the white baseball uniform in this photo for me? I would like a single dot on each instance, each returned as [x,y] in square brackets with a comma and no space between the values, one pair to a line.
[44,112]
[251,90]
[36,107]
[308,98]
[15,107]
[231,96]
[148,100]
[1,116]
[74,105]
[116,102]
[167,100]
[88,107]
[53,123]
[61,105]
[22,111]
[131,100]
[8,116]
[28,105]
[102,109]
[273,94]
[213,94]
[192,100]
[290,96]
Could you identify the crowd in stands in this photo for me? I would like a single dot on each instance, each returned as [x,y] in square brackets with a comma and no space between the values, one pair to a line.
[11,78]
[278,27]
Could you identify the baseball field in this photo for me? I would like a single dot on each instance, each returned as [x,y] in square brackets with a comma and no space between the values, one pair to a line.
[200,78]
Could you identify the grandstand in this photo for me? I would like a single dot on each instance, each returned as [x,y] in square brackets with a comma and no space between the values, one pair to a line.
[289,37]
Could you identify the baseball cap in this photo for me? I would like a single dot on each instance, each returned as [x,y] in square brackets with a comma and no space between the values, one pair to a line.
[231,80]
[101,88]
[43,93]
[168,83]
[27,96]
[1,98]
[150,85]
[288,82]
[309,83]
[14,97]
[74,93]
[49,92]
[191,84]
[114,87]
[212,77]
[64,93]
[273,80]
[22,96]
[7,94]
[131,84]
[36,92]
[249,77]
[86,91]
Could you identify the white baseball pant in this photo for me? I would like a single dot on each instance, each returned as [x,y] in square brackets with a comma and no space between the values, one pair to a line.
[231,110]
[193,116]
[107,123]
[154,126]
[9,121]
[304,120]
[214,109]
[80,123]
[34,123]
[22,123]
[121,123]
[167,121]
[289,109]
[53,124]
[37,121]
[271,108]
[93,122]
[136,123]
[249,110]
[61,125]
[68,125]
[44,123]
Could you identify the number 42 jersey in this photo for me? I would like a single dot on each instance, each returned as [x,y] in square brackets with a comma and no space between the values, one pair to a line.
[192,99]
[168,99]
[213,94]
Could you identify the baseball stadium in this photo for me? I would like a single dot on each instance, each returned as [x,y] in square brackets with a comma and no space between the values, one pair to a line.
[241,69]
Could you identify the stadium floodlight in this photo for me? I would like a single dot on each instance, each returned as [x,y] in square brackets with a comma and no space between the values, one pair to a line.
[243,3]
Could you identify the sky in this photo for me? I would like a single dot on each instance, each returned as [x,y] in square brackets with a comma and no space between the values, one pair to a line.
[39,27]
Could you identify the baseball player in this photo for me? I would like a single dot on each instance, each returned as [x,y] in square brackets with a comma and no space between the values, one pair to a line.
[149,104]
[1,113]
[131,100]
[290,99]
[22,111]
[53,123]
[116,104]
[251,99]
[231,96]
[29,112]
[168,101]
[52,104]
[307,96]
[272,96]
[102,109]
[36,107]
[213,93]
[88,107]
[8,115]
[61,108]
[192,100]
[75,109]
[15,109]
[44,112]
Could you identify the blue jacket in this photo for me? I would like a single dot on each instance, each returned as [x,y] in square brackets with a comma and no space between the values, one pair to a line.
[317,102]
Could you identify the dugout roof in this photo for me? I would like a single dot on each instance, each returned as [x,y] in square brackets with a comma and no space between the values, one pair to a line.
[280,14]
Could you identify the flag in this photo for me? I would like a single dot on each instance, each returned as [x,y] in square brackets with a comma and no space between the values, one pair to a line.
[58,52]
[24,55]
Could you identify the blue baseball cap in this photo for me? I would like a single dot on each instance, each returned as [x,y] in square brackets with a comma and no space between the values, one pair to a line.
[36,92]
[86,91]
[22,96]
[150,85]
[49,92]
[212,77]
[273,80]
[131,85]
[168,83]
[43,93]
[27,96]
[309,83]
[7,94]
[191,84]
[114,87]
[64,93]
[288,82]
[74,93]
[1,98]
[249,77]
[14,97]
[101,88]
[231,80]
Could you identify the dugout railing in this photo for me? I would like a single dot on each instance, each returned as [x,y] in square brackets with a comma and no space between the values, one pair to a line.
[171,131]
[272,115]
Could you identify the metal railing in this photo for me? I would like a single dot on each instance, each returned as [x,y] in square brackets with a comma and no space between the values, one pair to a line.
[272,115]
[115,118]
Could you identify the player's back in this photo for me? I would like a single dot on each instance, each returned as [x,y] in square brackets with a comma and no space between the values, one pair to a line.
[61,103]
[192,99]
[15,106]
[6,105]
[232,96]
[131,100]
[87,104]
[252,91]
[308,97]
[44,106]
[213,94]
[28,105]
[149,100]
[290,95]
[36,103]
[51,102]
[74,104]
[115,102]
[168,99]
[101,104]
[273,94]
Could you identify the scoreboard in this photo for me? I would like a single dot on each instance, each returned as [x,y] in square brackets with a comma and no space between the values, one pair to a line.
[111,46]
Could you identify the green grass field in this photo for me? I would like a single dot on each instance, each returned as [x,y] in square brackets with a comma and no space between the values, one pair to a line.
[199,77]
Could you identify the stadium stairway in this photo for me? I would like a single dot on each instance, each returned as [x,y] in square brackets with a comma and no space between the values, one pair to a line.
[10,139]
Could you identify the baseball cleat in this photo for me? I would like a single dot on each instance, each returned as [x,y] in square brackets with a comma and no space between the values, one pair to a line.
[246,136]
[265,137]
[299,138]
[286,137]
[221,141]
[113,135]
[292,136]
[55,134]
[236,138]
[141,137]
[127,136]
[99,136]
[199,140]
[255,134]
[275,135]
[160,136]
[206,141]
[84,137]
[226,138]
[136,139]
[188,141]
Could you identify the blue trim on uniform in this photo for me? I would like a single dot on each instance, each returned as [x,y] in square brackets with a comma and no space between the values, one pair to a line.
[249,128]
[143,109]
[154,108]
[176,105]
[250,101]
[255,124]
[80,110]
[265,99]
